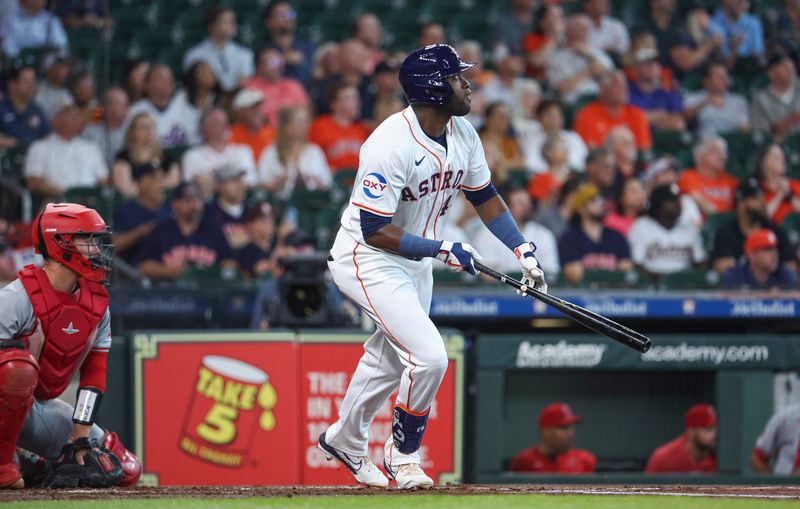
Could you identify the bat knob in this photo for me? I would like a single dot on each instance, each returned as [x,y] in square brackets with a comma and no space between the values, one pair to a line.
[523,288]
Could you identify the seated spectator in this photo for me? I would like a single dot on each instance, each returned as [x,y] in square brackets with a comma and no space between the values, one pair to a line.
[644,41]
[776,108]
[525,101]
[600,172]
[199,162]
[662,20]
[136,217]
[173,118]
[781,193]
[22,121]
[761,270]
[555,452]
[280,20]
[84,93]
[200,93]
[587,244]
[664,171]
[140,147]
[510,27]
[742,33]
[109,132]
[550,122]
[53,89]
[505,84]
[48,159]
[430,32]
[187,239]
[352,72]
[751,215]
[715,109]
[232,63]
[501,148]
[778,444]
[692,452]
[543,40]
[133,79]
[339,134]
[255,258]
[660,244]
[628,207]
[781,26]
[249,128]
[31,26]
[228,204]
[385,98]
[293,161]
[367,29]
[605,32]
[596,119]
[83,14]
[545,187]
[279,92]
[521,208]
[555,215]
[577,69]
[662,106]
[694,45]
[621,143]
[478,76]
[711,187]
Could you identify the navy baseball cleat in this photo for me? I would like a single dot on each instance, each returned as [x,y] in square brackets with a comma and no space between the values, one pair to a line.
[362,468]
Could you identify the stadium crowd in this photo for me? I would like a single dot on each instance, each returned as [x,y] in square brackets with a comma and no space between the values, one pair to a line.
[666,144]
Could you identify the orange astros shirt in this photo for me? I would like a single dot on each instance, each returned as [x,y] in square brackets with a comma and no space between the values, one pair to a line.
[719,191]
[673,458]
[574,461]
[257,142]
[594,122]
[340,143]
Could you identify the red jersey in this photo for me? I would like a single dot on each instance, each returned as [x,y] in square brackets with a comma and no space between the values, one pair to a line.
[785,208]
[574,461]
[341,144]
[672,457]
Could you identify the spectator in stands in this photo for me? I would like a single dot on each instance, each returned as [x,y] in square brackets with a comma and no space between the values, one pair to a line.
[255,258]
[595,120]
[501,148]
[782,194]
[141,147]
[353,72]
[778,444]
[249,128]
[431,32]
[692,452]
[279,92]
[711,187]
[544,187]
[715,109]
[776,108]
[525,102]
[84,94]
[31,26]
[52,90]
[22,121]
[639,42]
[781,26]
[327,62]
[555,452]
[742,33]
[695,44]
[232,63]
[521,208]
[662,106]
[543,40]
[577,69]
[621,143]
[134,78]
[173,118]
[201,91]
[478,76]
[109,132]
[385,97]
[550,122]
[600,172]
[187,239]
[292,161]
[663,22]
[340,134]
[660,244]
[751,215]
[508,29]
[556,215]
[628,207]
[63,160]
[216,151]
[605,32]
[664,171]
[587,244]
[228,205]
[83,14]
[136,217]
[505,84]
[280,20]
[761,269]
[367,29]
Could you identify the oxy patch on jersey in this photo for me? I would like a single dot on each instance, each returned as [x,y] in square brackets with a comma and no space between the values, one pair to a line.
[374,185]
[432,184]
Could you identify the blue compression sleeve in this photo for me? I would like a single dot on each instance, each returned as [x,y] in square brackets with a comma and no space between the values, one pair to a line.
[413,246]
[371,223]
[481,196]
[505,228]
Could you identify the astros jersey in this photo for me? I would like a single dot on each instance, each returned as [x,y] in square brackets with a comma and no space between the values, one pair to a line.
[406,176]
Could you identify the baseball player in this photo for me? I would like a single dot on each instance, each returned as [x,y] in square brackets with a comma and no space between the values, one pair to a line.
[410,170]
[55,322]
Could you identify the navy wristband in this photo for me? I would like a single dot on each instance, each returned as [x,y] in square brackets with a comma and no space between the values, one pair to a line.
[505,228]
[416,247]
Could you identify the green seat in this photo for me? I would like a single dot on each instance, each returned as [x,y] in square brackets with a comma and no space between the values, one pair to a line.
[609,279]
[671,143]
[100,198]
[791,225]
[12,163]
[791,147]
[517,178]
[689,279]
[712,224]
[211,275]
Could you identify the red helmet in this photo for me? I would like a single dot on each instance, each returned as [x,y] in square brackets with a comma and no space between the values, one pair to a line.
[63,228]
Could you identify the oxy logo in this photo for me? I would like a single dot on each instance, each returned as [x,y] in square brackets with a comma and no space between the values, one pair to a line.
[374,185]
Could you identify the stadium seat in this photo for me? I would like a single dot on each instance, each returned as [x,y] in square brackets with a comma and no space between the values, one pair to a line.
[12,163]
[610,279]
[712,224]
[690,279]
[210,275]
[671,143]
[791,147]
[517,178]
[791,225]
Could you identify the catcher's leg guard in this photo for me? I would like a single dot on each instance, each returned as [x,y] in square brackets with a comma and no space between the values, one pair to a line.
[19,374]
[131,467]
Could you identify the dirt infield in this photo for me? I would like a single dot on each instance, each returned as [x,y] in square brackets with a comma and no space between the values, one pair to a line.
[762,492]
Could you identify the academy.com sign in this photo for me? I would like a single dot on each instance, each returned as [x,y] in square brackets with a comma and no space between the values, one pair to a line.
[715,355]
[559,355]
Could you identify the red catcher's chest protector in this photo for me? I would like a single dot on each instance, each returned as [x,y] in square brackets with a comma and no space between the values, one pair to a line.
[67,322]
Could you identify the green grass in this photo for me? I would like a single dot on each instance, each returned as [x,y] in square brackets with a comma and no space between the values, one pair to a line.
[423,501]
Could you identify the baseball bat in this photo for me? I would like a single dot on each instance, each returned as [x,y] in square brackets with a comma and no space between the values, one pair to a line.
[583,316]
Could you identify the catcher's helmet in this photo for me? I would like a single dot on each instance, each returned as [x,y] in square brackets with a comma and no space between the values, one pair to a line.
[63,228]
[424,72]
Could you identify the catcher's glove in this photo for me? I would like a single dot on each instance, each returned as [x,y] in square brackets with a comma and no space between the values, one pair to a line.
[100,468]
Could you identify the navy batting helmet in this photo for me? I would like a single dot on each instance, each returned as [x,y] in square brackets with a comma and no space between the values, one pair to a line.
[424,72]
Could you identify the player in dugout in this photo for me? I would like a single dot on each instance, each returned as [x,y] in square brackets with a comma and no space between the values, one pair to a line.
[555,452]
[692,452]
[56,323]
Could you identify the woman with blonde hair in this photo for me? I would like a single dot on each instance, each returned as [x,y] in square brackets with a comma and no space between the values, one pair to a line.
[141,146]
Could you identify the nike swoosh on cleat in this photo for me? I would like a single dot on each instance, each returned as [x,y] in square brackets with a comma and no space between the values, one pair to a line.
[417,163]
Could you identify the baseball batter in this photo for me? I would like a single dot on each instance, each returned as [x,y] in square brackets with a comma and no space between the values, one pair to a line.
[410,171]
[54,323]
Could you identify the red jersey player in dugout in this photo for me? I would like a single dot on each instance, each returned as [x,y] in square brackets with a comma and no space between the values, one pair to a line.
[694,450]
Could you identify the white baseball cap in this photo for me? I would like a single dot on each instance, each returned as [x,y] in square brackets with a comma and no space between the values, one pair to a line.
[247,97]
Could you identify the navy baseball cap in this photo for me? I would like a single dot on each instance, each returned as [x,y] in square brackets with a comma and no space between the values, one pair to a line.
[142,170]
[187,190]
[299,238]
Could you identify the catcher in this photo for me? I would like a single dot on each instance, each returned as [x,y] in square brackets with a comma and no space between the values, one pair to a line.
[55,322]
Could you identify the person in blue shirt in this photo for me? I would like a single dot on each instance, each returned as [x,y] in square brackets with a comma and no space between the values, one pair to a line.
[280,20]
[761,269]
[228,205]
[31,26]
[742,32]
[22,121]
[661,102]
[255,258]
